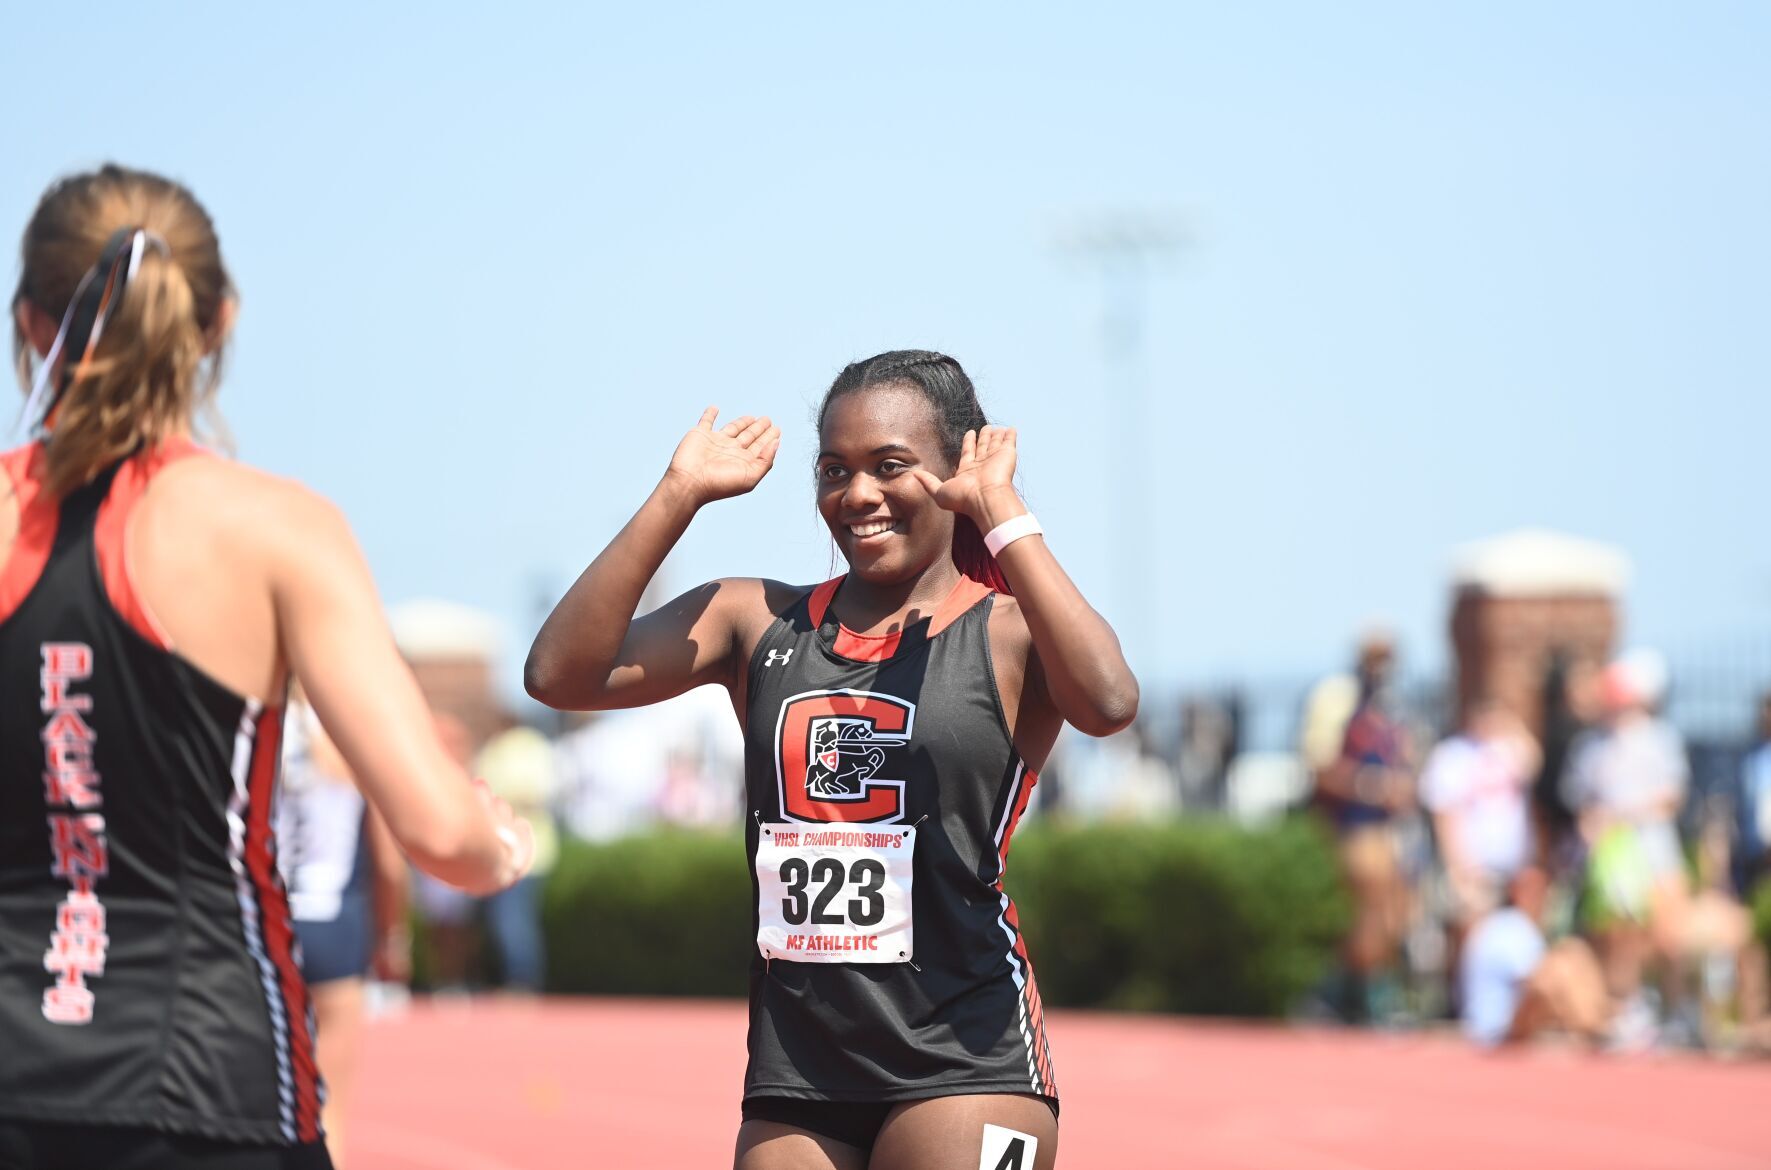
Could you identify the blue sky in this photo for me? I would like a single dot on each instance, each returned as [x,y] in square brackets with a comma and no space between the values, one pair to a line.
[1454,269]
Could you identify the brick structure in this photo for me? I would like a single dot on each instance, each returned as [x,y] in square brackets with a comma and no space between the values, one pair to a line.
[453,651]
[1523,599]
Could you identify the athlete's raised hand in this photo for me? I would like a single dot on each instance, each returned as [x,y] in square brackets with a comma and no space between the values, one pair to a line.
[983,481]
[591,654]
[715,464]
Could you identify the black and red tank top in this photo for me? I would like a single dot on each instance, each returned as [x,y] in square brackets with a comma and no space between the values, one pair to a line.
[147,965]
[855,739]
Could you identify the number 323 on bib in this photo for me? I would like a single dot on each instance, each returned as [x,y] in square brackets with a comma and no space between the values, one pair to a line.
[834,893]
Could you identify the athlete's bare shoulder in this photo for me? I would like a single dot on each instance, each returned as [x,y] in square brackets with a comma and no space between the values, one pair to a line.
[751,604]
[249,508]
[781,596]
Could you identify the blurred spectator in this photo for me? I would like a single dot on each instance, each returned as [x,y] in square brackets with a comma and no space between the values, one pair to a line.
[1209,732]
[1362,791]
[1475,784]
[1572,706]
[518,765]
[1514,986]
[609,771]
[1626,783]
[1717,943]
[704,765]
[1753,860]
[1327,709]
[622,771]
[1117,777]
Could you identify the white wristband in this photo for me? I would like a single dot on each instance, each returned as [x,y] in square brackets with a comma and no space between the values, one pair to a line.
[1009,531]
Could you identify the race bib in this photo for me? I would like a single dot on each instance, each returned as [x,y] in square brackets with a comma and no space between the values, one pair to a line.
[835,893]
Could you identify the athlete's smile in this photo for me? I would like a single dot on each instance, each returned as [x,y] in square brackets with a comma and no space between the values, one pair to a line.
[872,531]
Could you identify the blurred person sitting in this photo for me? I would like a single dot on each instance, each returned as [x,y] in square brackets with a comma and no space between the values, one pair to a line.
[1476,784]
[1515,986]
[1627,782]
[518,764]
[1361,792]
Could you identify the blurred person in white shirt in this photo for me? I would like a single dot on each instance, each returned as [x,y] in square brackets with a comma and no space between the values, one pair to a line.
[1476,784]
[1633,773]
[1626,783]
[616,767]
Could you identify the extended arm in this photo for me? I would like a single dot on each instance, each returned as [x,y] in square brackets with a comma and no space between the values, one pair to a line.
[591,654]
[331,627]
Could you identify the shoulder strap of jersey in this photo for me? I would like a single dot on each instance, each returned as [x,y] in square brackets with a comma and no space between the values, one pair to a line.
[110,535]
[818,600]
[960,602]
[780,638]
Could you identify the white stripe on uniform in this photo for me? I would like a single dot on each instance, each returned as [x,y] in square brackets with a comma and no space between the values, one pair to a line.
[239,807]
[1014,960]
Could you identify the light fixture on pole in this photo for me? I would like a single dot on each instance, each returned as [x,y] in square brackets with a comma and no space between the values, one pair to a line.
[1126,248]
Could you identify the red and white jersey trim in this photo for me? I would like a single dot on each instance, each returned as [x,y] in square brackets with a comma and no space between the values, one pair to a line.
[264,915]
[1032,1009]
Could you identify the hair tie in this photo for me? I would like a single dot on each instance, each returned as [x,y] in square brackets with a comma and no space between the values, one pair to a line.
[140,241]
[95,298]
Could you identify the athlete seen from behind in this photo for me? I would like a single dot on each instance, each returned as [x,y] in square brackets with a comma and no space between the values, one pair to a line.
[154,602]
[894,720]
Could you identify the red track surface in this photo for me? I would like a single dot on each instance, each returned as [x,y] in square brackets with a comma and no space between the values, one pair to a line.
[626,1084]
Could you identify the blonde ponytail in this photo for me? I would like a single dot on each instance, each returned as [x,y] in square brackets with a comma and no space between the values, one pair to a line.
[156,361]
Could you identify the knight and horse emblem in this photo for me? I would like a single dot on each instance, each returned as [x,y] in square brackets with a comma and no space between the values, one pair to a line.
[844,756]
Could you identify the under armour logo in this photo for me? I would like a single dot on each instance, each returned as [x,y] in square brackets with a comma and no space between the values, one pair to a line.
[783,655]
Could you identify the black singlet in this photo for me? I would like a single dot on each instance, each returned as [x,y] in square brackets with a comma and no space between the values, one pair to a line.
[147,967]
[871,734]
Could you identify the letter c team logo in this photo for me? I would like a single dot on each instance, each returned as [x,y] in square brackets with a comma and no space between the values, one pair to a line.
[835,753]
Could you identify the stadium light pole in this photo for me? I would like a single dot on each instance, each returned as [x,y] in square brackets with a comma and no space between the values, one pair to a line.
[1125,249]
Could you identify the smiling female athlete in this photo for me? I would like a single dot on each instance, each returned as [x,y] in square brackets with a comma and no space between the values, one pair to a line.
[894,720]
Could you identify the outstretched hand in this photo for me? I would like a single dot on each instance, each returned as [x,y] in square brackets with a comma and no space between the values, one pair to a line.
[515,834]
[986,467]
[716,464]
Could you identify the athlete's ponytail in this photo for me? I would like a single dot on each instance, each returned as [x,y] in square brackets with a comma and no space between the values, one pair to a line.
[955,402]
[129,265]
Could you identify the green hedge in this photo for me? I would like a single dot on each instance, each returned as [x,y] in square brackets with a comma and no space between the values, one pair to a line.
[1201,917]
[663,914]
[1193,916]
